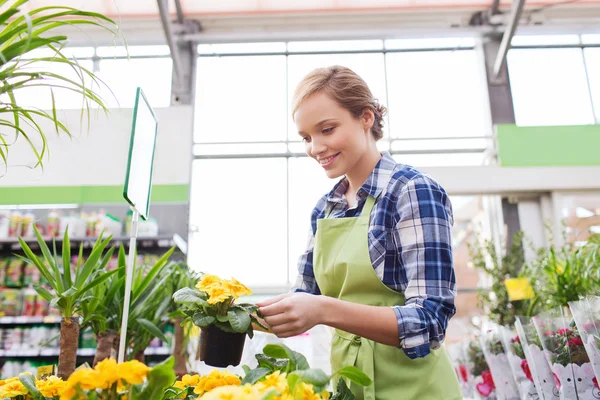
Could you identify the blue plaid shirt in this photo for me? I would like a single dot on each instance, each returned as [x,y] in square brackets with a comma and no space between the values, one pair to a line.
[410,245]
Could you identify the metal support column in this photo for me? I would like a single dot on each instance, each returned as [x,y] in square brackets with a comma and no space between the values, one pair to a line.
[501,112]
[183,52]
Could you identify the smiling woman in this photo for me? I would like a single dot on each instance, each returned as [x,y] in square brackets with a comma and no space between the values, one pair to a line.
[380,250]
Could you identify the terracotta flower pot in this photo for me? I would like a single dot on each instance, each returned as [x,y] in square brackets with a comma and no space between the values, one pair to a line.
[219,348]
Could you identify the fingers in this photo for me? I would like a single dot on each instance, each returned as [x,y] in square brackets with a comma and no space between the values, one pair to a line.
[273,300]
[286,330]
[278,319]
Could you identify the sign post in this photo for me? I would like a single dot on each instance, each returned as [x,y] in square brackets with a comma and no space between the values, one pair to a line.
[137,190]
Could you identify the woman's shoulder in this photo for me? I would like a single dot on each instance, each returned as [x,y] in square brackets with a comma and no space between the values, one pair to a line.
[405,177]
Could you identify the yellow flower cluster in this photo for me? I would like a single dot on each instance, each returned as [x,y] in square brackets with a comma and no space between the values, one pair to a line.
[51,387]
[222,385]
[103,376]
[221,290]
[12,387]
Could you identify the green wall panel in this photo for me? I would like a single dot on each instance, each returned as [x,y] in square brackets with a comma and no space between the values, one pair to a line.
[85,194]
[544,146]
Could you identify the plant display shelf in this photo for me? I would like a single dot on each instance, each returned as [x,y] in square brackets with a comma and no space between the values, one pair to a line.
[53,353]
[146,244]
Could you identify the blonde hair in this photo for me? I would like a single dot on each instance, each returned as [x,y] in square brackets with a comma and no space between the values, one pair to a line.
[344,86]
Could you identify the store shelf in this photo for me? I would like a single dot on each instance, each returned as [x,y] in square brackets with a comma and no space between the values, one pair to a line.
[143,243]
[29,320]
[34,353]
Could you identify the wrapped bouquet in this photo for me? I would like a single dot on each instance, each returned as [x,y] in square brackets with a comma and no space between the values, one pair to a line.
[566,354]
[518,364]
[497,359]
[536,366]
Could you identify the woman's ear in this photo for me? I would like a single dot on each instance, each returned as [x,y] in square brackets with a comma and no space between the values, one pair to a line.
[368,119]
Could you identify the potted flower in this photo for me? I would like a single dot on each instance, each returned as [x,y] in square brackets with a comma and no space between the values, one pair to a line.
[480,371]
[536,366]
[587,317]
[566,354]
[496,357]
[224,323]
[518,364]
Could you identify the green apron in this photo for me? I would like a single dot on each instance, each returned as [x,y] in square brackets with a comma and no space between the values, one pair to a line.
[343,269]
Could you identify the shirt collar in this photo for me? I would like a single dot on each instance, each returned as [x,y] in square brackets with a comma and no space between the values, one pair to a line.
[374,185]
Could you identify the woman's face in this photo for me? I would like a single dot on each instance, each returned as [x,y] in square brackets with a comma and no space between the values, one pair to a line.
[332,136]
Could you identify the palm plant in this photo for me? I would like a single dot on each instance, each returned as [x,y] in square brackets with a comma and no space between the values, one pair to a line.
[70,289]
[21,34]
[147,312]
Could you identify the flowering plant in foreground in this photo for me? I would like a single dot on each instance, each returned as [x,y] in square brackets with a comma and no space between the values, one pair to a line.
[213,302]
[107,381]
[281,374]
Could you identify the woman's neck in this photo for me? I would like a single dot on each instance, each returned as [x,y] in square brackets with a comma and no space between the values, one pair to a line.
[359,174]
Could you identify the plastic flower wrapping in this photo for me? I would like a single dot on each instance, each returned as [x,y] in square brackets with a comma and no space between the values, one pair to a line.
[458,356]
[482,381]
[566,354]
[497,359]
[586,313]
[537,365]
[518,364]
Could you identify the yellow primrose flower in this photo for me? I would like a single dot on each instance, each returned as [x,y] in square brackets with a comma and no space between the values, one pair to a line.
[51,387]
[68,391]
[304,391]
[208,281]
[107,373]
[276,380]
[218,294]
[246,392]
[190,380]
[87,378]
[12,388]
[133,372]
[238,289]
[216,379]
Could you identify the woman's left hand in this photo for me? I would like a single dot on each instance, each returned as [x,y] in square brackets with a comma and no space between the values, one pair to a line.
[291,314]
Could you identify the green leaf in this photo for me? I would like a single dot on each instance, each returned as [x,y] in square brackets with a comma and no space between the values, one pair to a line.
[104,276]
[270,394]
[160,378]
[301,362]
[255,375]
[152,329]
[152,274]
[342,392]
[66,255]
[355,375]
[223,318]
[43,292]
[292,380]
[281,351]
[239,320]
[315,377]
[202,320]
[246,369]
[28,380]
[91,264]
[271,363]
[188,296]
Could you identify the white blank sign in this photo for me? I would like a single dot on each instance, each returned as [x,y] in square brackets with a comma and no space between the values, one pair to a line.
[138,182]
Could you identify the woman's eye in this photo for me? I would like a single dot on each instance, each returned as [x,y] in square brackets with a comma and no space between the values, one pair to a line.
[306,139]
[327,130]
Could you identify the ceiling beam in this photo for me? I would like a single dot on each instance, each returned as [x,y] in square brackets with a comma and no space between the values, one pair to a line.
[515,16]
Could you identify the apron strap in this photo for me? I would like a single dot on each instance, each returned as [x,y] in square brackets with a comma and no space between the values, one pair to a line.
[366,211]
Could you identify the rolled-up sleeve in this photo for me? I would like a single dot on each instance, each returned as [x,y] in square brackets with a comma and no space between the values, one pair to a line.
[306,281]
[423,234]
